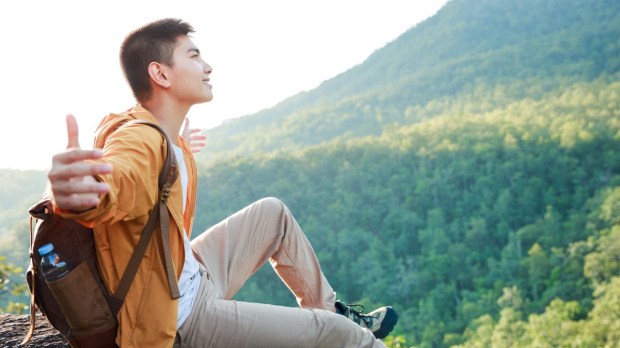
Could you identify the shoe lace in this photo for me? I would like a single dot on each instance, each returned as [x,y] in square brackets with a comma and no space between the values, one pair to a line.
[368,320]
[356,305]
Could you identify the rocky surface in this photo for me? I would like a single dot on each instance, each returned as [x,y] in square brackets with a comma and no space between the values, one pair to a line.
[13,328]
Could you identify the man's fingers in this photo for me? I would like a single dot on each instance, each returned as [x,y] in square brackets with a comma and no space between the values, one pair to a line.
[78,170]
[72,132]
[75,155]
[197,134]
[197,147]
[198,140]
[75,187]
[77,202]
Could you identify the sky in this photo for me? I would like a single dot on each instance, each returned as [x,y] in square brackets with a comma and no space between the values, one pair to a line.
[60,57]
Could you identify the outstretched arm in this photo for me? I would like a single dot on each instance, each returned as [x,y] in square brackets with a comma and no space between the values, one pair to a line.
[71,178]
[193,137]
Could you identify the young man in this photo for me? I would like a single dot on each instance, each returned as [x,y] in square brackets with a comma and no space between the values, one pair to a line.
[113,187]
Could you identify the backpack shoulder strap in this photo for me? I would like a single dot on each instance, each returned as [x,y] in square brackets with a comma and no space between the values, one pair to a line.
[41,208]
[167,177]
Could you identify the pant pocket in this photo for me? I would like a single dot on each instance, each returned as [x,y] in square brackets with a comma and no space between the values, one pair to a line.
[82,302]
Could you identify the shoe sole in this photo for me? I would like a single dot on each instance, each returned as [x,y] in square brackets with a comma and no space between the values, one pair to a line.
[388,323]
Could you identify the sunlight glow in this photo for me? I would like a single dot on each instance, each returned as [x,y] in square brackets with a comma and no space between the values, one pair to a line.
[62,57]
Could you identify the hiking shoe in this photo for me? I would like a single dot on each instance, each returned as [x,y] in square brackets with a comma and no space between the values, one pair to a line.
[381,321]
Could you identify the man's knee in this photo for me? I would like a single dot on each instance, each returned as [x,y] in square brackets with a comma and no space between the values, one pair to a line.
[271,206]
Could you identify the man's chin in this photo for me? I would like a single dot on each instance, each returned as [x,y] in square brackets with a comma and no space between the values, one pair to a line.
[206,99]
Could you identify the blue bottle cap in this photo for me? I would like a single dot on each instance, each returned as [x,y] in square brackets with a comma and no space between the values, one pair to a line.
[46,248]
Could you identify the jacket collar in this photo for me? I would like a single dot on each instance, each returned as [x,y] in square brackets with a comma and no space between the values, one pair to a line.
[141,113]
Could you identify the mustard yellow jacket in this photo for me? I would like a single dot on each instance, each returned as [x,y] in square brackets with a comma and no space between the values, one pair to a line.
[148,316]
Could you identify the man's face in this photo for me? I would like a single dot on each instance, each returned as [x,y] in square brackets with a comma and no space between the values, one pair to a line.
[189,75]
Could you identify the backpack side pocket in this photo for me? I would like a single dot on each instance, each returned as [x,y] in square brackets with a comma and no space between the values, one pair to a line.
[82,302]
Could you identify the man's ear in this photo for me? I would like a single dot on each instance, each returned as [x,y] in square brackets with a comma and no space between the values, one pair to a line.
[159,74]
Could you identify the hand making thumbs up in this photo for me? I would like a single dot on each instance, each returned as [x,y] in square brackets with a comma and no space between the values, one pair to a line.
[72,182]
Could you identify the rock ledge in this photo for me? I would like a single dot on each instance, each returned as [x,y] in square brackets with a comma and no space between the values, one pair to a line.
[13,328]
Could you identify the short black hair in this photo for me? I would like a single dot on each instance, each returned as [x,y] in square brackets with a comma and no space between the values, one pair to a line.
[153,42]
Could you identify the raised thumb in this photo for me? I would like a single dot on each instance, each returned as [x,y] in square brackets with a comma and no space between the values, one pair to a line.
[72,132]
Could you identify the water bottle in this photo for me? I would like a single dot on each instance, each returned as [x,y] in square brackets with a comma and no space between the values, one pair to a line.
[52,266]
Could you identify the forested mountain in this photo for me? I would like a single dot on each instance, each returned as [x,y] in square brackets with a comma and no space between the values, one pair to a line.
[466,44]
[493,199]
[467,173]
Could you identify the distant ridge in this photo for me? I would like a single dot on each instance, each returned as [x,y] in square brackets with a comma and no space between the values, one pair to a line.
[465,44]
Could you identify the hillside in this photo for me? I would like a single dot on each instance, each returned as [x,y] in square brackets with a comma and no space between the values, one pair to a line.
[467,173]
[442,217]
[466,44]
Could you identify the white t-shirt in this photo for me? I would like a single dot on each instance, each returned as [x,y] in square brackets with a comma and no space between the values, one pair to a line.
[190,278]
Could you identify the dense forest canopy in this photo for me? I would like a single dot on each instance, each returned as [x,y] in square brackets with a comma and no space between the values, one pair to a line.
[467,173]
[442,216]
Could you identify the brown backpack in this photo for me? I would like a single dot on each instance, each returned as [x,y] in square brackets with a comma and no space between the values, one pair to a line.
[79,304]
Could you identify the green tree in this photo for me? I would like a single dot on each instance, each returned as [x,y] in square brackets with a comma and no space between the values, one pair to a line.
[603,326]
[556,326]
[510,330]
[479,333]
[537,265]
[10,287]
[604,263]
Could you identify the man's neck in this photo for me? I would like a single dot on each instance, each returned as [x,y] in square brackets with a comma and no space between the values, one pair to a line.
[170,116]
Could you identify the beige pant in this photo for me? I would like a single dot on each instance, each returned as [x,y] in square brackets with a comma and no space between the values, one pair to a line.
[231,252]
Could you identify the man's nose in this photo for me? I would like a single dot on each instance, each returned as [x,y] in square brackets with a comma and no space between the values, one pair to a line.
[206,67]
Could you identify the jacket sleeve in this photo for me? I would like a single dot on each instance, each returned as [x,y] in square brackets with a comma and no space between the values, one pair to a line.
[136,154]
